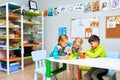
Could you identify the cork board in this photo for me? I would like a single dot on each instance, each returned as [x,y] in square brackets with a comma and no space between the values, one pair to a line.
[113,27]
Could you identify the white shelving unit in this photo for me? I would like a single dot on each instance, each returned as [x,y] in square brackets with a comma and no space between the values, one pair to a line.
[33,26]
[11,36]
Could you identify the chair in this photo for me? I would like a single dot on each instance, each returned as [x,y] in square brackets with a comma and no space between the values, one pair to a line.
[112,73]
[39,57]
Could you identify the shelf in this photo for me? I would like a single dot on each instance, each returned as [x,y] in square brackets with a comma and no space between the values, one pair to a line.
[31,23]
[14,27]
[2,46]
[28,33]
[31,44]
[31,13]
[3,69]
[15,49]
[14,38]
[27,57]
[10,59]
[13,16]
[2,26]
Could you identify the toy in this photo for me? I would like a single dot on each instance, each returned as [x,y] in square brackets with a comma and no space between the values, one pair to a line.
[73,56]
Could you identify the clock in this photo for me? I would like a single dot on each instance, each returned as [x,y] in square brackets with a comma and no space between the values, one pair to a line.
[32,5]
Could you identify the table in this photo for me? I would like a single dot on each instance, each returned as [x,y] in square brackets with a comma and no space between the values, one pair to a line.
[108,63]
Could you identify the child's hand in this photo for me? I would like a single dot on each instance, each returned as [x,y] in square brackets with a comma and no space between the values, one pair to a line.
[64,57]
[83,51]
[69,51]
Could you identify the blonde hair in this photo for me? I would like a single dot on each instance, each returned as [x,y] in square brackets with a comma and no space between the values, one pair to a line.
[78,39]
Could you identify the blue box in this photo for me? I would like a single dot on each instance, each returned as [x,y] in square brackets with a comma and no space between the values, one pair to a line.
[12,66]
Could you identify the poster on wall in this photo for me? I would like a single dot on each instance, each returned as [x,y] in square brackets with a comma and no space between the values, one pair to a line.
[85,27]
[78,7]
[87,7]
[111,22]
[95,5]
[115,4]
[104,4]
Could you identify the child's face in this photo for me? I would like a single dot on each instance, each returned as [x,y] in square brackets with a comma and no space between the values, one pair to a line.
[77,45]
[63,43]
[94,44]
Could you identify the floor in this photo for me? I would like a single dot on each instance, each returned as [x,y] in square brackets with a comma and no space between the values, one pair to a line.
[28,74]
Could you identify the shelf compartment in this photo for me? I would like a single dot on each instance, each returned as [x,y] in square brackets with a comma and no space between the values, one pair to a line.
[15,49]
[13,16]
[31,44]
[31,23]
[27,57]
[10,59]
[31,13]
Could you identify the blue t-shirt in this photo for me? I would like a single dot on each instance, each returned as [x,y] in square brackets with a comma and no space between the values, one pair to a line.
[56,51]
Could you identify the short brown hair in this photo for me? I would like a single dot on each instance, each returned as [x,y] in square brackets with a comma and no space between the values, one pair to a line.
[94,38]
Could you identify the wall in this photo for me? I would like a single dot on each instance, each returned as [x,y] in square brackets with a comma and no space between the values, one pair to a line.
[52,24]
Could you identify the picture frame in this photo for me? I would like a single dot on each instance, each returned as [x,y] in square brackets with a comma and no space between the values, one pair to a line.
[32,5]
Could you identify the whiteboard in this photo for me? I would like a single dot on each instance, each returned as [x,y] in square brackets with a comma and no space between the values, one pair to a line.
[84,28]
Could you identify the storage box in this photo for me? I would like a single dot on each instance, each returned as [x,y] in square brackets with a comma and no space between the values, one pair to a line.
[12,66]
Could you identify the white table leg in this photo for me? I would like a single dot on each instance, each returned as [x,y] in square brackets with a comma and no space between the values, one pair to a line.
[48,78]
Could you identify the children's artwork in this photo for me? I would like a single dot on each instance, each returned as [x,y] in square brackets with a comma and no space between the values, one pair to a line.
[115,4]
[87,7]
[111,22]
[94,22]
[95,5]
[78,7]
[70,8]
[55,11]
[104,4]
[118,19]
[88,32]
[84,27]
[62,30]
[50,11]
[63,8]
[77,28]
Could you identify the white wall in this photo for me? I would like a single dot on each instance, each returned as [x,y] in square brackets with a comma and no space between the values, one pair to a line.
[52,24]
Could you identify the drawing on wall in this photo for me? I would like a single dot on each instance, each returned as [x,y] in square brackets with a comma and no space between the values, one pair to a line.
[111,22]
[78,7]
[118,19]
[115,4]
[88,32]
[87,7]
[85,27]
[95,5]
[63,9]
[104,4]
[62,30]
[55,11]
[70,8]
[94,22]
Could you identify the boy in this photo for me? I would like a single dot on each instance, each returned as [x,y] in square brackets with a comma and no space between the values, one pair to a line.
[96,51]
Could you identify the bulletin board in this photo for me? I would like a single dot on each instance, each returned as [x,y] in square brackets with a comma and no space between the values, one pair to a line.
[113,26]
[84,28]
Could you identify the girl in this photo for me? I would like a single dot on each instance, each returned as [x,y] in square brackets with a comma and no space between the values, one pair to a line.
[75,48]
[60,51]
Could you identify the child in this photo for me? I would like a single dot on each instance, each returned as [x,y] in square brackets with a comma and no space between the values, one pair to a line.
[96,51]
[60,51]
[75,48]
